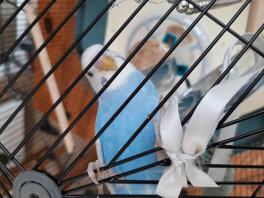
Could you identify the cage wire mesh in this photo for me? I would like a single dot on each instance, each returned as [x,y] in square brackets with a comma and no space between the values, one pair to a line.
[32,136]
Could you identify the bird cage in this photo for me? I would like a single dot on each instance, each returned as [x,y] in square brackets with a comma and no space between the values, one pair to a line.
[186,122]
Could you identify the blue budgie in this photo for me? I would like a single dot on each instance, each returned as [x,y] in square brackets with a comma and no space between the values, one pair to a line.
[128,120]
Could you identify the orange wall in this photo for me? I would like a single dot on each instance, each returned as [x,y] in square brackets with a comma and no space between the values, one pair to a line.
[66,72]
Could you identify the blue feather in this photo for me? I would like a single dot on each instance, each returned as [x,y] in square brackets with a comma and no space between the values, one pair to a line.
[122,128]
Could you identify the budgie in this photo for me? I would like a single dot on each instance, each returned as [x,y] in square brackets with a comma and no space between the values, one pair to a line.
[122,128]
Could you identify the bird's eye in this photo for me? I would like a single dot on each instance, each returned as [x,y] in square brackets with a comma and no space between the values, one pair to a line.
[90,74]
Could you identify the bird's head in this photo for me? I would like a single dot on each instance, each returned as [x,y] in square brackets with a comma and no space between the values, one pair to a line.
[102,70]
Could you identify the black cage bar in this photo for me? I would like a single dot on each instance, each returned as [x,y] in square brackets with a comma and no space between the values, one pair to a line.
[63,179]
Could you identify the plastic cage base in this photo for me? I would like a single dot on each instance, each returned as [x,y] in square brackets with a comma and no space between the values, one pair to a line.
[33,184]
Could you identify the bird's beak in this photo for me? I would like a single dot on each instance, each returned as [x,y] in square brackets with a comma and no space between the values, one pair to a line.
[107,63]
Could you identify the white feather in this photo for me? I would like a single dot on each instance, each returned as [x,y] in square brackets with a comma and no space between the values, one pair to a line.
[100,77]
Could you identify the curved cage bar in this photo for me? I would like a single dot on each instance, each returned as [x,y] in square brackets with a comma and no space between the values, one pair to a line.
[41,159]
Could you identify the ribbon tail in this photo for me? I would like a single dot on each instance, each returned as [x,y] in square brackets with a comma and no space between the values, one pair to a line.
[171,182]
[197,177]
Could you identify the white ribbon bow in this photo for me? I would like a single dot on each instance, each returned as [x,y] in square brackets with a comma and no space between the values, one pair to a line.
[184,146]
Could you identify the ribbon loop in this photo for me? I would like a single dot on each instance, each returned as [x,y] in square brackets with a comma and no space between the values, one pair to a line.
[184,145]
[183,166]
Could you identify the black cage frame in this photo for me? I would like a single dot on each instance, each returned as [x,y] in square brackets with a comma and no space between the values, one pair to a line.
[60,180]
